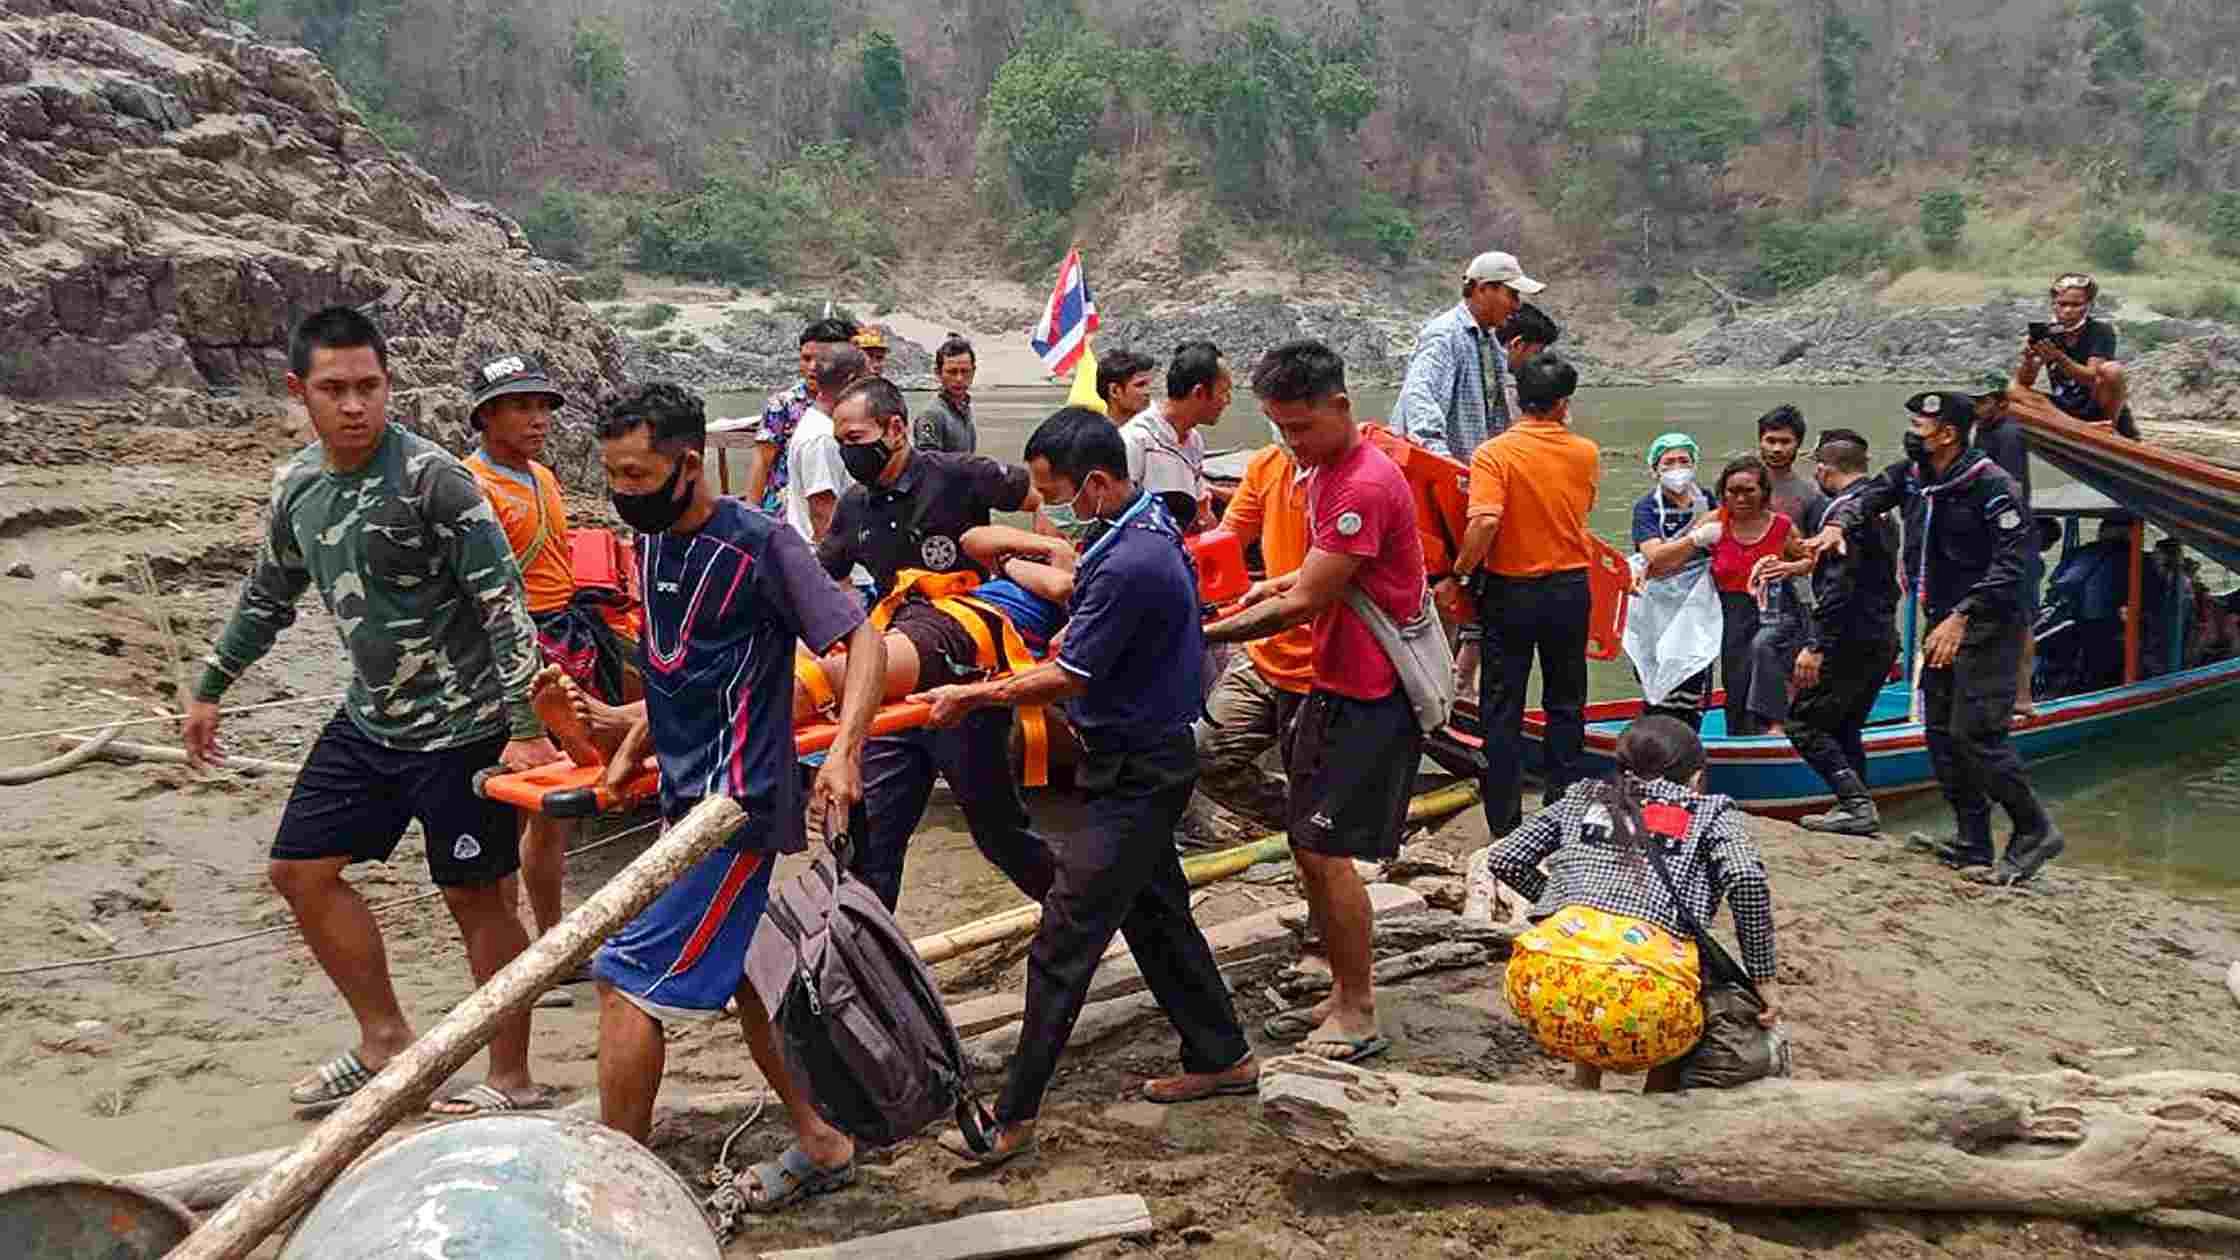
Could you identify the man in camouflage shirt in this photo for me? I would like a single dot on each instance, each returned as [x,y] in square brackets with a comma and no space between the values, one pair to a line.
[422,585]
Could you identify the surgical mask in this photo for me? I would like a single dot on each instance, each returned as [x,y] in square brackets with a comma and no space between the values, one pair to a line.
[865,460]
[656,510]
[1677,480]
[1917,448]
[1066,521]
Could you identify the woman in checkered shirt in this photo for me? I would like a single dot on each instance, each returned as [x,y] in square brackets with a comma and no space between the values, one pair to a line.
[1609,976]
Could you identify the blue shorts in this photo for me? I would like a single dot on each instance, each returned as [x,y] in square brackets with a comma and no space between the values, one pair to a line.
[685,955]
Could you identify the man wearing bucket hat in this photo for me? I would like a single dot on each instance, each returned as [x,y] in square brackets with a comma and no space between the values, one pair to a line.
[513,403]
[1977,532]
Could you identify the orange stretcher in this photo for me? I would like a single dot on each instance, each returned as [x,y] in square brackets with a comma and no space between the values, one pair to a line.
[567,789]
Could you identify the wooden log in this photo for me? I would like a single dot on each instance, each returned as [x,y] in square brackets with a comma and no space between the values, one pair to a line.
[995,1235]
[1444,956]
[1205,868]
[402,1087]
[207,1185]
[85,750]
[1405,933]
[178,757]
[2057,1144]
[1237,941]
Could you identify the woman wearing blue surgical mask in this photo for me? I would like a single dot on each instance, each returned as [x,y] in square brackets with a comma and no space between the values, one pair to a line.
[1665,521]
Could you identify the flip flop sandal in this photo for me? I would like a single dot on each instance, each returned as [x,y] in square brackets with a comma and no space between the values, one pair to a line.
[554,997]
[1355,1050]
[954,1142]
[339,1077]
[778,1184]
[1210,1089]
[488,1100]
[1290,1026]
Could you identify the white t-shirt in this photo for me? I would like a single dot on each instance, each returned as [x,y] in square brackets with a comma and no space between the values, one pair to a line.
[812,467]
[1162,463]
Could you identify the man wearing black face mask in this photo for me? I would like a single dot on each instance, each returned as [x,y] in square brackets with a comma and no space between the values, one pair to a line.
[909,510]
[1977,533]
[717,714]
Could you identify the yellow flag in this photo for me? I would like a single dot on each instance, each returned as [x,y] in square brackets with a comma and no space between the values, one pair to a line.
[1084,393]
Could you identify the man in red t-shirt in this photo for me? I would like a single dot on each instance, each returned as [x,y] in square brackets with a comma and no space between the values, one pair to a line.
[1353,749]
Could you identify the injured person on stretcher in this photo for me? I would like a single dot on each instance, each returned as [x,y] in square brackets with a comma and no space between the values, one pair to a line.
[940,628]
[944,628]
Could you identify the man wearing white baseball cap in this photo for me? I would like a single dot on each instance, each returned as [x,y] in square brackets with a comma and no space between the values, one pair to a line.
[1458,393]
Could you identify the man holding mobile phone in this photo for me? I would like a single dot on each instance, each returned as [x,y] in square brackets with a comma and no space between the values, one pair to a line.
[2079,353]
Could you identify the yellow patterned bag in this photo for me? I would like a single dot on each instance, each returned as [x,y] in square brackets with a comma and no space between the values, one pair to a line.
[1606,990]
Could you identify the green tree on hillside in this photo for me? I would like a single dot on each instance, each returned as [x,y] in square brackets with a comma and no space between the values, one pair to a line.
[1046,101]
[881,92]
[1670,124]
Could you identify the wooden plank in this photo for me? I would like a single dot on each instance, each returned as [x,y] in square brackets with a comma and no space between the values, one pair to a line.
[994,1235]
[1239,940]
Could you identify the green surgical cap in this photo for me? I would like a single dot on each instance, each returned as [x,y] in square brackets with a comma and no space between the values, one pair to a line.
[1670,441]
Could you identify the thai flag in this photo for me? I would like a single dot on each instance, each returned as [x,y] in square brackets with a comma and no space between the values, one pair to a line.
[1068,320]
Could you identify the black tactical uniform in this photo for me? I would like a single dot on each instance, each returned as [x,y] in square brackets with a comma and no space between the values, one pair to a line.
[1853,628]
[1976,538]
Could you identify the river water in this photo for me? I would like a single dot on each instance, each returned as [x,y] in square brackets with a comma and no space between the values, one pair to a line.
[2166,809]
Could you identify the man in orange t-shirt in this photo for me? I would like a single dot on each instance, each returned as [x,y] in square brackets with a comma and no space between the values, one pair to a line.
[1528,555]
[513,407]
[1253,703]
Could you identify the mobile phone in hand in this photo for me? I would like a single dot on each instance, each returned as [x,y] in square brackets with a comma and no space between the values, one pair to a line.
[2041,331]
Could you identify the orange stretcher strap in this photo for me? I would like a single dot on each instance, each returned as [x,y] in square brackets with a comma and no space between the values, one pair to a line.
[810,674]
[950,594]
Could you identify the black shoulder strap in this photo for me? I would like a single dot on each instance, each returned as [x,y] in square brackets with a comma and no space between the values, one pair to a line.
[1718,965]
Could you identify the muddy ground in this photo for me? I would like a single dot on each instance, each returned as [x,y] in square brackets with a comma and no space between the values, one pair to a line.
[1890,967]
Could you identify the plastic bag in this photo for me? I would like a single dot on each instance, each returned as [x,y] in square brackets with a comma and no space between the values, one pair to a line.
[1672,630]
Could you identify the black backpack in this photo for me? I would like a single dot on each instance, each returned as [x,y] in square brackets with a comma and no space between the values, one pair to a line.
[856,1013]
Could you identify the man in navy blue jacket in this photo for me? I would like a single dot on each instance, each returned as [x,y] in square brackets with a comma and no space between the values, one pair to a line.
[1976,538]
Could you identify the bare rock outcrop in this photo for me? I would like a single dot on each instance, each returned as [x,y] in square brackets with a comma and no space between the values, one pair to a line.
[175,195]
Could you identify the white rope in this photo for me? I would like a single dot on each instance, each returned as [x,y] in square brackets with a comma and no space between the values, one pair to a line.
[383,908]
[165,717]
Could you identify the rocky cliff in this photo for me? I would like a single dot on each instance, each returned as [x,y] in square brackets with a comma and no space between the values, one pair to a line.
[175,195]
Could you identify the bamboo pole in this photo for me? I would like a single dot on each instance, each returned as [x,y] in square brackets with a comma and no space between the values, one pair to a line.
[403,1086]
[178,756]
[1205,868]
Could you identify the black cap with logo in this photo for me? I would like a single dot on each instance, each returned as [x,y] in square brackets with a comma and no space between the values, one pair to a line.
[520,372]
[1938,404]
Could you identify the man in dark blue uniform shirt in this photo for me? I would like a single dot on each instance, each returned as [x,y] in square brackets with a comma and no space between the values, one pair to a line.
[909,509]
[1130,664]
[1976,535]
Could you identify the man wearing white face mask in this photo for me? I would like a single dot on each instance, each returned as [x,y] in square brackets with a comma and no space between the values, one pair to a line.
[1663,521]
[1252,705]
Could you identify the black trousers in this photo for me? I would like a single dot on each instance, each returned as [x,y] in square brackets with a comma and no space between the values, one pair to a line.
[1123,875]
[975,757]
[1827,722]
[1525,617]
[1966,709]
[1738,658]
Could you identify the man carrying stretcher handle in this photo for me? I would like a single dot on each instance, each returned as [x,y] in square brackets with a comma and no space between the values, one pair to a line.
[1130,665]
[728,591]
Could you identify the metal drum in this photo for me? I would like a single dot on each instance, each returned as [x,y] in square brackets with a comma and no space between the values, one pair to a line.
[508,1187]
[54,1208]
